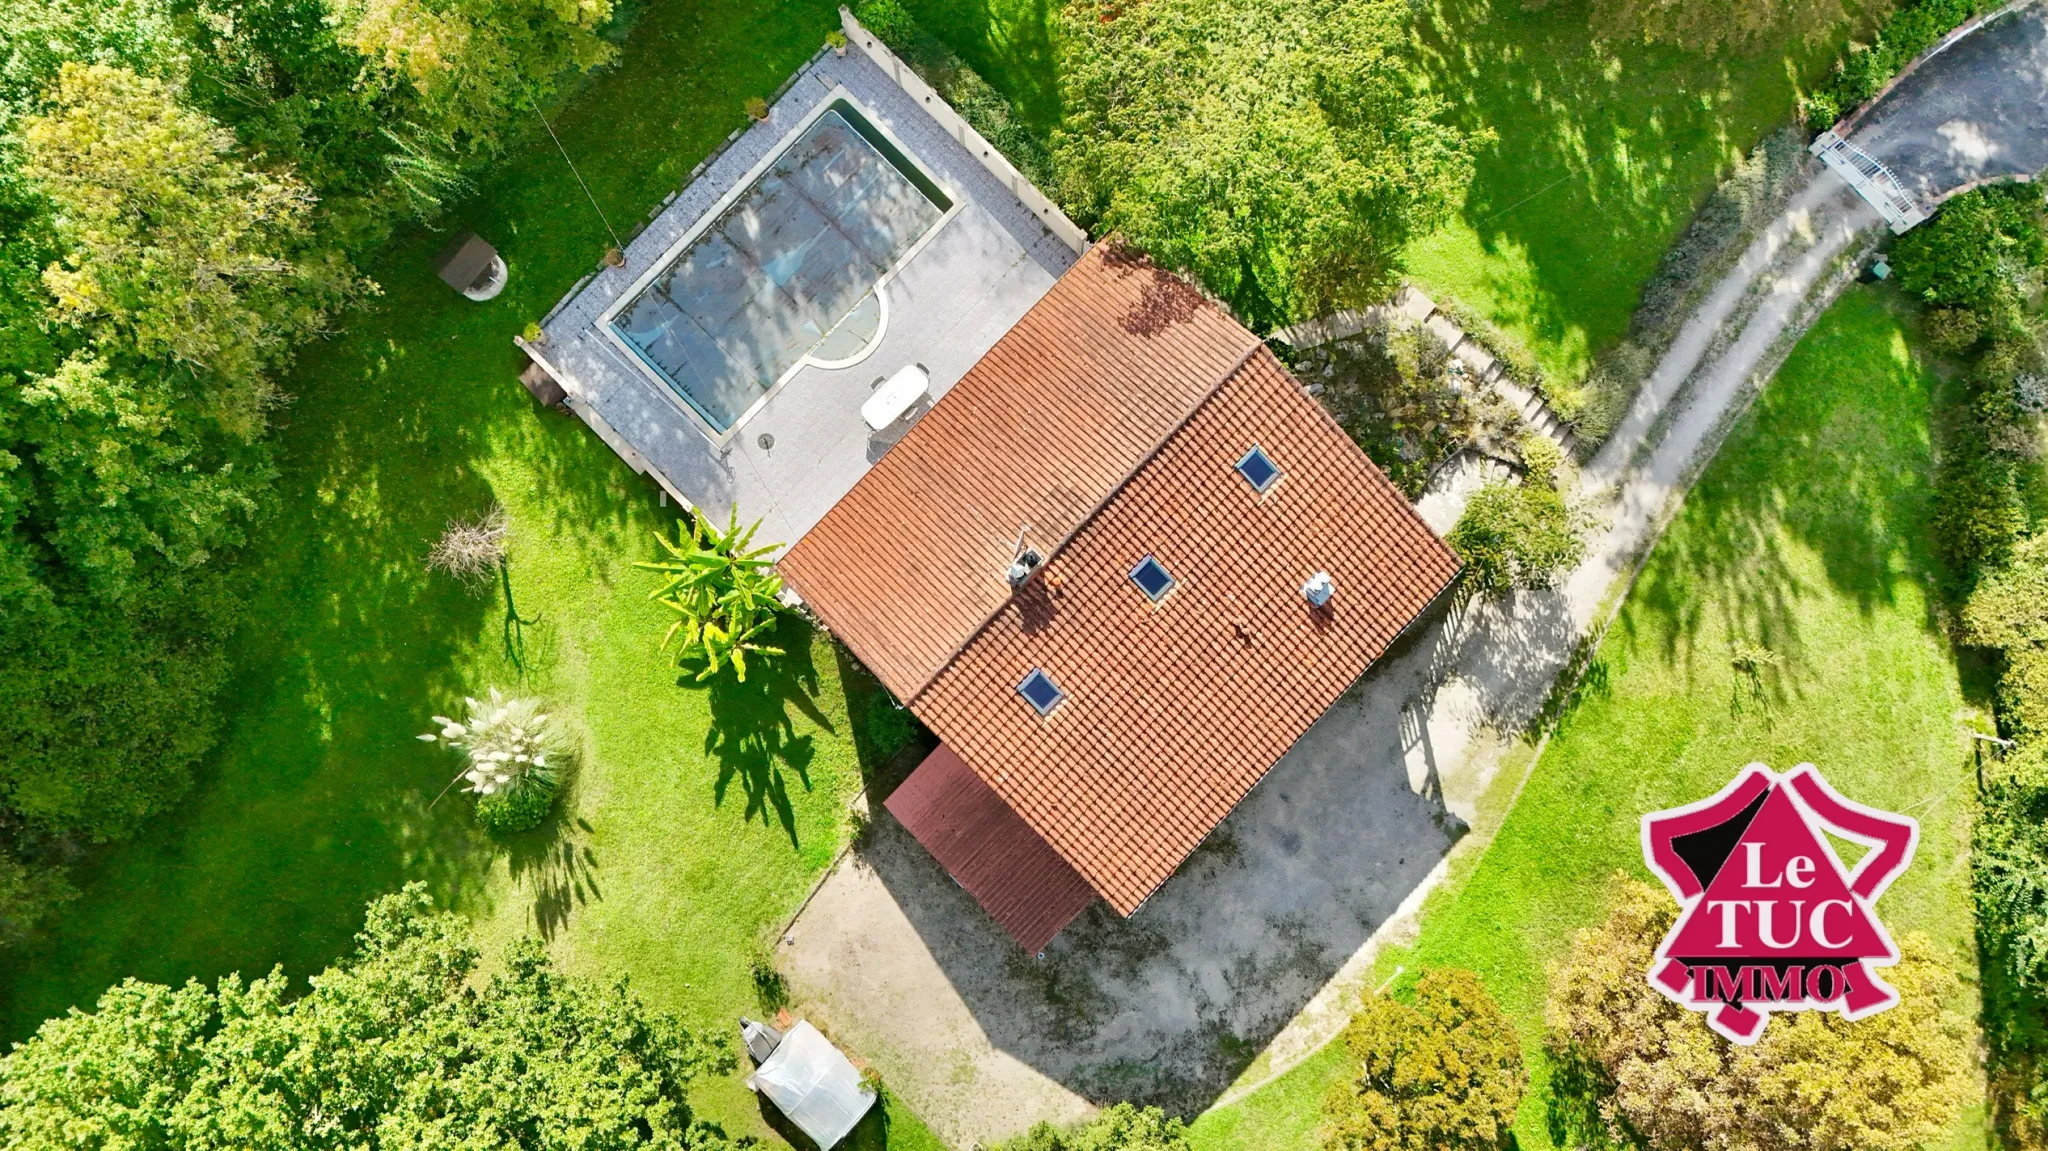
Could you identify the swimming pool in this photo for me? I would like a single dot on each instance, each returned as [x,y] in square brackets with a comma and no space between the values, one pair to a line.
[787,269]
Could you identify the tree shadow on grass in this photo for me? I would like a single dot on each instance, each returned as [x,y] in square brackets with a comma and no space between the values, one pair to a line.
[1604,147]
[555,864]
[1835,458]
[753,731]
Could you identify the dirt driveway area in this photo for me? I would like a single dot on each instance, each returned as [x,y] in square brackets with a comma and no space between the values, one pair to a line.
[1171,1005]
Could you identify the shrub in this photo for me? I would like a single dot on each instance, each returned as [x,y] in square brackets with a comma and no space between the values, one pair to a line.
[1651,1072]
[1444,1073]
[1520,535]
[1392,391]
[1866,68]
[726,591]
[1120,1127]
[1951,329]
[2008,610]
[1979,508]
[1977,252]
[518,808]
[472,550]
[510,744]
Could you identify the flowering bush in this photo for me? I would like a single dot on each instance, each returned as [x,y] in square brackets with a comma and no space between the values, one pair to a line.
[514,750]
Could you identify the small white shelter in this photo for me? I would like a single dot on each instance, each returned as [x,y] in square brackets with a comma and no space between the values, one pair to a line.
[809,1081]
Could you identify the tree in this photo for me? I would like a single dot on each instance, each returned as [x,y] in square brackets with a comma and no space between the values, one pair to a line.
[726,591]
[1120,1127]
[173,247]
[1441,1074]
[2008,610]
[1520,535]
[1654,1071]
[1977,252]
[475,64]
[1704,25]
[397,1046]
[1277,151]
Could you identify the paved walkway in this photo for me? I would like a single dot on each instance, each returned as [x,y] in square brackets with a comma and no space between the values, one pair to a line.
[1974,111]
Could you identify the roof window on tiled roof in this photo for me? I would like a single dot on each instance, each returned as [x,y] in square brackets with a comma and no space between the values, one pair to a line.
[1152,578]
[1258,469]
[1041,692]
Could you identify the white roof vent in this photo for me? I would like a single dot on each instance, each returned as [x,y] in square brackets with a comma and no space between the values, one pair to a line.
[1020,569]
[1319,588]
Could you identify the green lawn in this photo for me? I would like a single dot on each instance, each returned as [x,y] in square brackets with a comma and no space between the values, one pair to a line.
[698,819]
[1809,534]
[1605,148]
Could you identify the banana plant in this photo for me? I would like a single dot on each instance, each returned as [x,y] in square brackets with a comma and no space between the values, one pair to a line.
[725,591]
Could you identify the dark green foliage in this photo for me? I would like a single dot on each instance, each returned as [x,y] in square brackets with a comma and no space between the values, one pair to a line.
[1120,1127]
[517,809]
[977,101]
[1866,68]
[1441,1074]
[393,1047]
[1519,535]
[2009,857]
[104,709]
[1977,252]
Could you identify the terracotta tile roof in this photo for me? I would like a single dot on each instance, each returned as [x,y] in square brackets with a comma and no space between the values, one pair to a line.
[1016,876]
[1110,418]
[1040,432]
[1174,711]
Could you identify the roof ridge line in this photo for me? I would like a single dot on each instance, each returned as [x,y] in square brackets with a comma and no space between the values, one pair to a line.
[1081,524]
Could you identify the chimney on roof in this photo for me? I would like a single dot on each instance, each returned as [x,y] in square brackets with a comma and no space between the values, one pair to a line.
[1319,588]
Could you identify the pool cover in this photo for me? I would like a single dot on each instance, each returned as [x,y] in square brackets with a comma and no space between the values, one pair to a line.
[770,278]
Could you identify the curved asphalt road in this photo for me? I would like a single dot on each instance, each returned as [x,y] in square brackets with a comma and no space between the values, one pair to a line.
[1973,112]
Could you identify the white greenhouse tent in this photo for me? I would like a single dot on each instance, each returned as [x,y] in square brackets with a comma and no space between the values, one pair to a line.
[809,1081]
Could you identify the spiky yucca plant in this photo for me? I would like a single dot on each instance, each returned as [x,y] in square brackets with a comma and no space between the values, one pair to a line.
[725,591]
[509,743]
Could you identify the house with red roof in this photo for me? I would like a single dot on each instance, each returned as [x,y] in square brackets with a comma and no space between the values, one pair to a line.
[1118,569]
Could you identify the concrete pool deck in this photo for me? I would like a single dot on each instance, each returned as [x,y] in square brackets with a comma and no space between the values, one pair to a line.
[945,304]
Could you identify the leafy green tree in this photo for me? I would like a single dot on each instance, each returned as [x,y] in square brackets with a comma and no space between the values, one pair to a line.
[1277,150]
[1704,25]
[1657,1076]
[399,1047]
[1441,1074]
[1520,535]
[2008,611]
[1120,1127]
[726,592]
[474,65]
[174,247]
[111,1079]
[1978,252]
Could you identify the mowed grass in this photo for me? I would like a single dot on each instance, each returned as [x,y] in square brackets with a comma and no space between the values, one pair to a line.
[1807,534]
[698,818]
[1603,149]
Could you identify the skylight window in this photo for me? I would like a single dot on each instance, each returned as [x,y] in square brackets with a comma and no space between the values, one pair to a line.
[1041,692]
[1152,578]
[1258,469]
